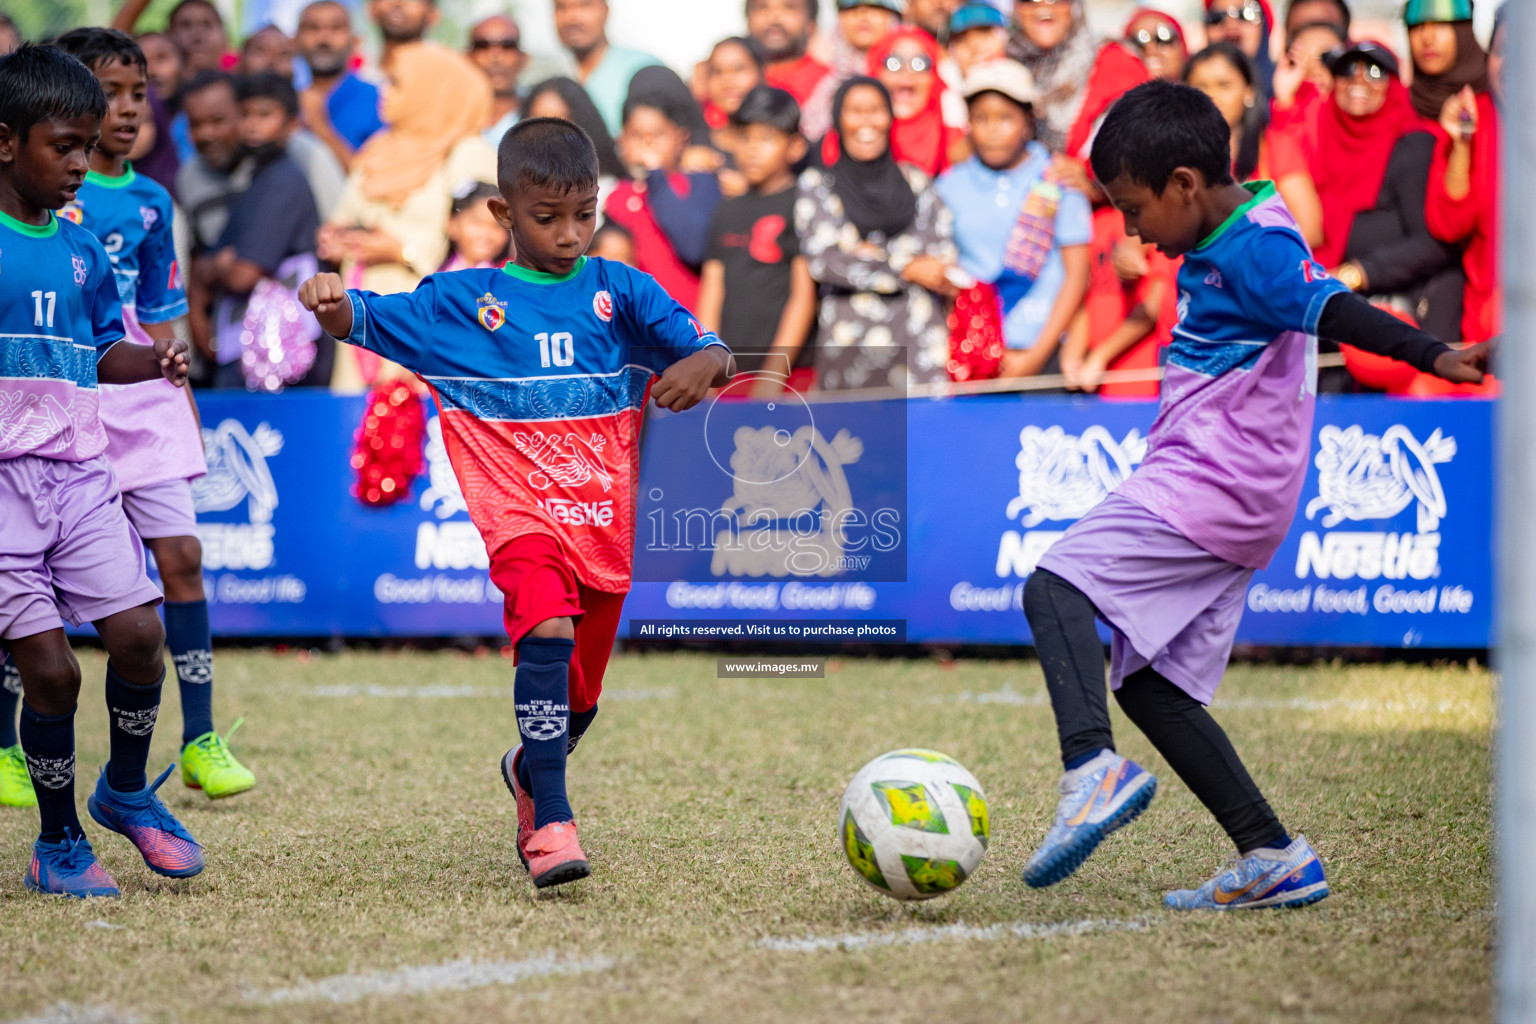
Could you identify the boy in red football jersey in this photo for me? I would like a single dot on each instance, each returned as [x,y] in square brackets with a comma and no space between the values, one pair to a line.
[541,370]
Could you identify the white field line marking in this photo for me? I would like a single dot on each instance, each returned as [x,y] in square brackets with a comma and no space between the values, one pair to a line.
[440,691]
[952,933]
[1413,705]
[457,976]
[68,1013]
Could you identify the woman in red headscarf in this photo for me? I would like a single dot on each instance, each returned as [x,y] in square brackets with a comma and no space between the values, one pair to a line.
[1464,199]
[906,62]
[1159,38]
[1372,172]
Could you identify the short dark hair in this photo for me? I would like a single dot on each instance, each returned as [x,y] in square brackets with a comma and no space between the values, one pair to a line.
[769,106]
[1158,127]
[1344,13]
[41,83]
[195,3]
[812,8]
[205,80]
[94,47]
[268,85]
[752,46]
[545,152]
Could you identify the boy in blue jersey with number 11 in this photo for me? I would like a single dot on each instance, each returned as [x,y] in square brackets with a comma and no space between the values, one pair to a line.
[66,549]
[1166,559]
[541,370]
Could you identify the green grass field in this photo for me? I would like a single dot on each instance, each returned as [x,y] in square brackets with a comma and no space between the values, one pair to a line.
[371,875]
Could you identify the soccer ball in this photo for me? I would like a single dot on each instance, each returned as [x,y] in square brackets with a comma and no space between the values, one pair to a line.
[914,824]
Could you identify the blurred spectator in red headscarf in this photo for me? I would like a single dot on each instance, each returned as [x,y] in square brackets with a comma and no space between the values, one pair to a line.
[1160,40]
[1371,170]
[907,63]
[1464,191]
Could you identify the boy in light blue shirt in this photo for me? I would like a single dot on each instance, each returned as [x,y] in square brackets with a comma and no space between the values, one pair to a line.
[1024,235]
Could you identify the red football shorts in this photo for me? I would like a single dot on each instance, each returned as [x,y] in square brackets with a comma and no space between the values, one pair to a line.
[539,584]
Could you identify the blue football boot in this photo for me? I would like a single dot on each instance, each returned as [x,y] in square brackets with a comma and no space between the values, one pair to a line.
[1096,798]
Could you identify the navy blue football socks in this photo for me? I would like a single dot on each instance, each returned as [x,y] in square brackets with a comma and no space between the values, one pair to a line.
[49,743]
[191,645]
[541,695]
[132,711]
[1281,843]
[580,721]
[9,698]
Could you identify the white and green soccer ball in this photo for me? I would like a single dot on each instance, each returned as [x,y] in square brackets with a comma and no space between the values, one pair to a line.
[914,824]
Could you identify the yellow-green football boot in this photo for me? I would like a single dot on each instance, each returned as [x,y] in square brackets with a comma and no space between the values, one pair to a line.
[207,764]
[15,780]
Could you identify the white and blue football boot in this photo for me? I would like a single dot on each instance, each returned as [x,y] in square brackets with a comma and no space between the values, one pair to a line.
[1096,798]
[1292,877]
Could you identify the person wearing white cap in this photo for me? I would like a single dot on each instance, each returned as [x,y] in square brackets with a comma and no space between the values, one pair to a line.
[1022,235]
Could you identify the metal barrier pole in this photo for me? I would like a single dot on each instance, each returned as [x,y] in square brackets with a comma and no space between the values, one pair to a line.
[1516,561]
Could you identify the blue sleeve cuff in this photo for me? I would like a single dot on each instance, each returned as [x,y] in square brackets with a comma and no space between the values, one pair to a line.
[359,333]
[163,314]
[1325,291]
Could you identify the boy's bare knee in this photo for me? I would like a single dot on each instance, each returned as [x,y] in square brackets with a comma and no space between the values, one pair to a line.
[554,629]
[135,642]
[180,561]
[50,678]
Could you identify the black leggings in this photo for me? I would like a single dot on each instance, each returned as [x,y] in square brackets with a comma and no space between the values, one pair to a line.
[1184,733]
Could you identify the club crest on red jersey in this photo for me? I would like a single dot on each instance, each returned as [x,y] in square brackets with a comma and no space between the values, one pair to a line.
[602,305]
[492,313]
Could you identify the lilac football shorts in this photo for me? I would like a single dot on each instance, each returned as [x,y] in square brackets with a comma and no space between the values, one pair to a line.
[1171,604]
[161,510]
[66,549]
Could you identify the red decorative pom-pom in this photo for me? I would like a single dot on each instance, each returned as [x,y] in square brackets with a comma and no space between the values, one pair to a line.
[976,334]
[387,453]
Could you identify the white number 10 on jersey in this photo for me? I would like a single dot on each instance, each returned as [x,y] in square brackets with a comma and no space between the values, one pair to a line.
[556,349]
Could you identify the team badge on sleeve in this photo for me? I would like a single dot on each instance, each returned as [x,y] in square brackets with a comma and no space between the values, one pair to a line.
[492,313]
[602,305]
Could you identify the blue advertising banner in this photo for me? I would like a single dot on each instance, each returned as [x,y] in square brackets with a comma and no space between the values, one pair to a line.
[1391,545]
[931,512]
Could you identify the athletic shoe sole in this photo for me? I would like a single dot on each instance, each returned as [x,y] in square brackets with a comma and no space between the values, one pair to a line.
[1291,900]
[509,777]
[570,871]
[1071,857]
[101,819]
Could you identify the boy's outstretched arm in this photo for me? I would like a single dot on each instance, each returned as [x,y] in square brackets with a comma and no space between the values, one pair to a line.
[687,381]
[325,296]
[1351,320]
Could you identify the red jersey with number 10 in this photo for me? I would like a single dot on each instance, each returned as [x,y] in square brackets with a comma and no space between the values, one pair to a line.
[541,382]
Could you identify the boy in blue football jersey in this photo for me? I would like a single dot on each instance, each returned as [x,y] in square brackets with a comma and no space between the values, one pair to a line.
[154,441]
[66,549]
[1166,559]
[541,370]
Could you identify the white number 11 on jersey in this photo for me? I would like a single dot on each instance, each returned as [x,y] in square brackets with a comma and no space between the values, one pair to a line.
[43,317]
[554,350]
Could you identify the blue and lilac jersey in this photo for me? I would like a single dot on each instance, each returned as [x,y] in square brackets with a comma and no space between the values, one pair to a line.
[59,314]
[541,381]
[1227,457]
[151,434]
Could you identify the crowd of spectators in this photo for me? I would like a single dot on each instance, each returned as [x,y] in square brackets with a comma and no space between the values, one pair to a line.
[903,199]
